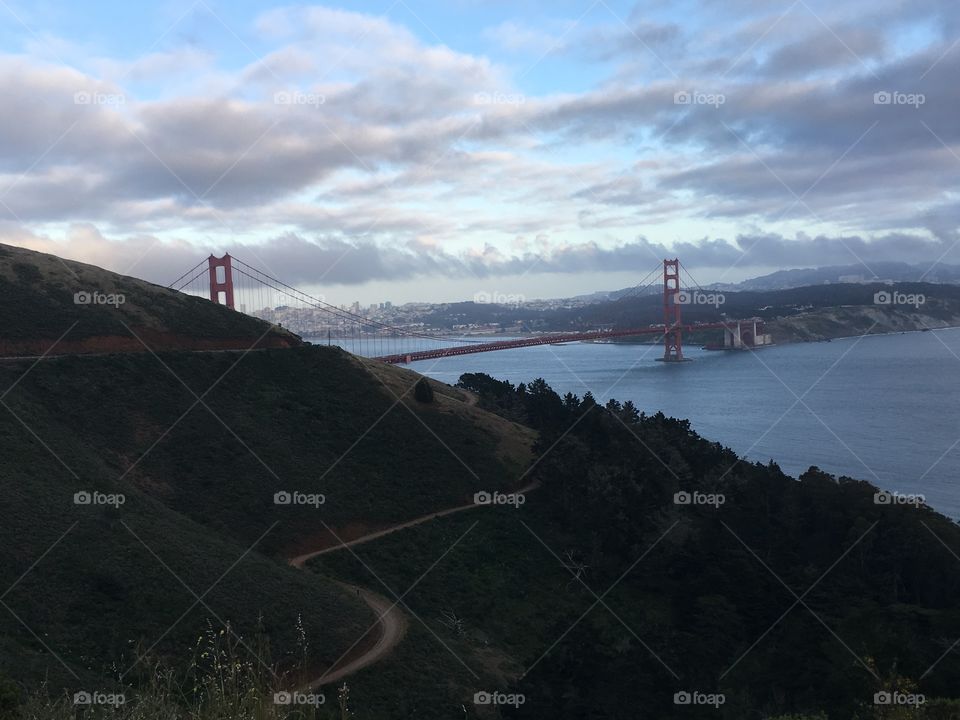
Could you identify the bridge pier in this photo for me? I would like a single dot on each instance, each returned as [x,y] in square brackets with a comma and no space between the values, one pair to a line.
[745,334]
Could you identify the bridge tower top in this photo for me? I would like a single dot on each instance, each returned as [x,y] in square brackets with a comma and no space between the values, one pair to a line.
[221,280]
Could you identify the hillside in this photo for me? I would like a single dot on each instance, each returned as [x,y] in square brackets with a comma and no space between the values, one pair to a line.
[878,271]
[93,586]
[199,445]
[91,310]
[793,600]
[277,420]
[307,420]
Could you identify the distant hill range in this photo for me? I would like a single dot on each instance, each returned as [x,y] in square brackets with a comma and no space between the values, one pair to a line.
[857,273]
[803,313]
[875,272]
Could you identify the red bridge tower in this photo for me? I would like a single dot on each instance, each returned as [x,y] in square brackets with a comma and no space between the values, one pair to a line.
[222,286]
[672,329]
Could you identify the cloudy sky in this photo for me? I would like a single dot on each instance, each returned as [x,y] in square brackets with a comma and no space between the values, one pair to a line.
[432,150]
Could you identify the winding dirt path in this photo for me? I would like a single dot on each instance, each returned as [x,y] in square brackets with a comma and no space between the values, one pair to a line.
[300,560]
[392,623]
[391,627]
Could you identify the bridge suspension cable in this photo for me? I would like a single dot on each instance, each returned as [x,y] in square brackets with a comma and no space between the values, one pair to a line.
[638,289]
[201,264]
[697,285]
[302,296]
[230,281]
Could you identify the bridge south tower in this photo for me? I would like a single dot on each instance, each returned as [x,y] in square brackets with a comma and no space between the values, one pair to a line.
[672,327]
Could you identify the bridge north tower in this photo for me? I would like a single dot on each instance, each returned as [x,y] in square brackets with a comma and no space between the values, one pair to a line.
[221,280]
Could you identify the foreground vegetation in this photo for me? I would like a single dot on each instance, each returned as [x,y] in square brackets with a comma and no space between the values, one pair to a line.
[600,594]
[219,682]
[789,599]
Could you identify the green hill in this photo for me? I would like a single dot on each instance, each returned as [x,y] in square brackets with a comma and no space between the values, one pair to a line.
[88,309]
[88,584]
[199,444]
[308,420]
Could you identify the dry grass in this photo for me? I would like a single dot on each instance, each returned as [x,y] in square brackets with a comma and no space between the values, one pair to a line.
[514,442]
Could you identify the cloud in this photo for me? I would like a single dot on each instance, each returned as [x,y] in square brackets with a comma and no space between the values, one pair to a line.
[516,37]
[304,262]
[822,51]
[377,154]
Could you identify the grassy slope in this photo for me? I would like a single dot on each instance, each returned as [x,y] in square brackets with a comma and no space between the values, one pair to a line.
[493,574]
[104,586]
[201,494]
[849,321]
[37,291]
[200,482]
[516,601]
[308,419]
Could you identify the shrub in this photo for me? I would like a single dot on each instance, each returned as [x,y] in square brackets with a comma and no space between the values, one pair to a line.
[422,392]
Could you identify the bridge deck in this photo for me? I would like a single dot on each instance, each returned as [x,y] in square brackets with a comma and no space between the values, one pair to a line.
[538,340]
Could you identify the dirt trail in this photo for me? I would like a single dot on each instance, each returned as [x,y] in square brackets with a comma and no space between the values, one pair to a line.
[392,623]
[391,627]
[301,560]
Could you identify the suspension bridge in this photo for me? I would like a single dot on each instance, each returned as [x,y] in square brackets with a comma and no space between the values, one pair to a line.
[229,281]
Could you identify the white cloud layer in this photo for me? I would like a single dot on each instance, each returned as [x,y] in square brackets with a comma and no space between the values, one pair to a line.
[356,150]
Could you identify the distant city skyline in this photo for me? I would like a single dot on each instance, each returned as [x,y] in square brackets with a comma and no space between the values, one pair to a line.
[433,151]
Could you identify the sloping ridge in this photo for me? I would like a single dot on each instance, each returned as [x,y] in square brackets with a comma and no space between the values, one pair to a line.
[83,404]
[67,307]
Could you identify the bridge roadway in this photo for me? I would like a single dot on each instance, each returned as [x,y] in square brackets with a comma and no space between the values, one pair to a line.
[552,339]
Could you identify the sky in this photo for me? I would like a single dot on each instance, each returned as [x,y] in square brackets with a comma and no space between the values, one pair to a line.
[405,150]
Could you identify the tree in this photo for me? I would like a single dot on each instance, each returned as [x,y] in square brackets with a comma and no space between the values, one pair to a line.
[422,391]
